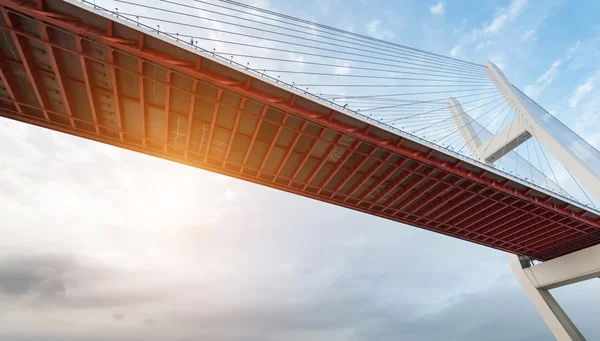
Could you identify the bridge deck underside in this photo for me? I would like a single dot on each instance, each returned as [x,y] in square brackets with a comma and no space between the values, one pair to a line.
[113,84]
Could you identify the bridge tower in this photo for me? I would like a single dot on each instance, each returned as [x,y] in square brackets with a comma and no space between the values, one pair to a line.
[530,122]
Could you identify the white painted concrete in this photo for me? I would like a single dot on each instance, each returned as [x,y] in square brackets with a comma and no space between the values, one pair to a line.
[464,123]
[588,177]
[507,139]
[572,268]
[557,320]
[537,280]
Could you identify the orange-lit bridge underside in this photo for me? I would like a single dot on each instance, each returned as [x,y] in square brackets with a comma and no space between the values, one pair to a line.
[78,72]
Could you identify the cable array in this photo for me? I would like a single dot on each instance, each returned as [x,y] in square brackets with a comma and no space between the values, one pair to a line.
[396,85]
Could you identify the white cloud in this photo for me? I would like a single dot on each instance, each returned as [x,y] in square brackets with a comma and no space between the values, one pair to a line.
[581,91]
[480,36]
[504,15]
[516,7]
[437,9]
[536,89]
[230,194]
[529,35]
[324,5]
[374,29]
[455,52]
[483,45]
[496,24]
[499,59]
[573,49]
[343,69]
[463,23]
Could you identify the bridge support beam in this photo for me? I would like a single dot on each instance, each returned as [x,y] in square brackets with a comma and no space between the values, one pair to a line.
[555,317]
[464,122]
[507,139]
[568,269]
[586,175]
[537,279]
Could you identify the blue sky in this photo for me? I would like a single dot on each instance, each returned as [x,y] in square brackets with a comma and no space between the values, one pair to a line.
[546,47]
[99,243]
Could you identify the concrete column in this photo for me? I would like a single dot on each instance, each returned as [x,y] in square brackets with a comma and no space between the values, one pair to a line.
[555,317]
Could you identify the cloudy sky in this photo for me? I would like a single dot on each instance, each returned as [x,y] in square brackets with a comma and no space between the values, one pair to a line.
[98,243]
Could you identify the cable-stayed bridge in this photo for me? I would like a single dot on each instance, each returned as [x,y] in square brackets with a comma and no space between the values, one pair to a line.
[407,135]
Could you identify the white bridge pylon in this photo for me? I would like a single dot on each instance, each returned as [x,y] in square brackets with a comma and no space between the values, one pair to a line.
[507,139]
[537,279]
[525,126]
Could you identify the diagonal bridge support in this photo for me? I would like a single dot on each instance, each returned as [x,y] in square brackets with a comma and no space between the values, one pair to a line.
[533,125]
[507,139]
[536,279]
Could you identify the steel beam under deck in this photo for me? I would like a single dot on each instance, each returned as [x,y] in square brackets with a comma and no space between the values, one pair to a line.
[331,156]
[552,232]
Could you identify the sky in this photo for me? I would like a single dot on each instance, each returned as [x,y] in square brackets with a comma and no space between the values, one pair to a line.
[98,243]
